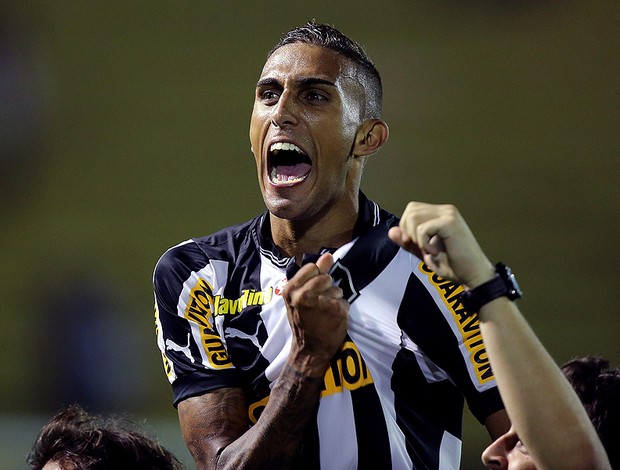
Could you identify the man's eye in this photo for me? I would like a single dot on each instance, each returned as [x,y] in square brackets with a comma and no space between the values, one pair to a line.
[520,446]
[315,96]
[268,95]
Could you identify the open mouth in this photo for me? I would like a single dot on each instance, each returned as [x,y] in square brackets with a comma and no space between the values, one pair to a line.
[288,164]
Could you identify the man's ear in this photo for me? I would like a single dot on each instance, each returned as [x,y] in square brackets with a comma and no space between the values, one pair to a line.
[371,135]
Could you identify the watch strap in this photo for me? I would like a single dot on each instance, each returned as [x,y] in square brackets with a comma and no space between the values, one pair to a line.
[503,284]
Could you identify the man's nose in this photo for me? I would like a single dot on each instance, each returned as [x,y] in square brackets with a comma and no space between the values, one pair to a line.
[494,456]
[285,112]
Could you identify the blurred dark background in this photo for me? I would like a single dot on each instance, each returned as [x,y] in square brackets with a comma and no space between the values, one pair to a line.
[123,131]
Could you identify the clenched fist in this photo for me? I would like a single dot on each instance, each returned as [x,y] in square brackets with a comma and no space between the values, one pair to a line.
[439,235]
[317,313]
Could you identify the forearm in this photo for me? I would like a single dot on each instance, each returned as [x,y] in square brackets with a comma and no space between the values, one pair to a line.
[540,401]
[274,441]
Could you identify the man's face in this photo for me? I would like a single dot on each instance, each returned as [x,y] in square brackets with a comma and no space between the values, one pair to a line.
[508,453]
[305,117]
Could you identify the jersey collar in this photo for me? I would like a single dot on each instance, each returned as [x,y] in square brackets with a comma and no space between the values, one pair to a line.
[367,218]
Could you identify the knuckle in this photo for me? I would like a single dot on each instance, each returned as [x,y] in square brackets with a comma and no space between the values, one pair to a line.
[450,210]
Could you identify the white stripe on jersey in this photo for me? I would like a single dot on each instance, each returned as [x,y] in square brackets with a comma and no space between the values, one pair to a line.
[376,214]
[364,329]
[218,282]
[274,317]
[338,449]
[450,452]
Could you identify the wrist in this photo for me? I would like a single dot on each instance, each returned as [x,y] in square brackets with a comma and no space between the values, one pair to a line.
[483,275]
[502,284]
[309,363]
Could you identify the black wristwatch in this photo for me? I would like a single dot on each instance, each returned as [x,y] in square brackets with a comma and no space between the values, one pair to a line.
[504,284]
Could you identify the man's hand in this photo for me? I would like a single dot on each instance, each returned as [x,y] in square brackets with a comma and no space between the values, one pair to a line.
[439,235]
[317,313]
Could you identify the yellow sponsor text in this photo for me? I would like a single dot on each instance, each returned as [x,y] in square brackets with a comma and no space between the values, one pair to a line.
[249,297]
[199,311]
[468,324]
[347,371]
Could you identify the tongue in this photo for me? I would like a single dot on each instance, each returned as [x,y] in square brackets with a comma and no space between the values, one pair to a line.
[298,170]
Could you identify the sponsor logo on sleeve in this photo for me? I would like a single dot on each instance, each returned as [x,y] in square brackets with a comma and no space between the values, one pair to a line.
[199,311]
[203,307]
[167,366]
[172,346]
[468,324]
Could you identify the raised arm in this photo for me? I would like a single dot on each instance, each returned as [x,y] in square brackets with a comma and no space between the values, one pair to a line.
[543,407]
[215,425]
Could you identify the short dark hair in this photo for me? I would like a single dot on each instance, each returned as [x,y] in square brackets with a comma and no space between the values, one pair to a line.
[324,35]
[597,384]
[76,439]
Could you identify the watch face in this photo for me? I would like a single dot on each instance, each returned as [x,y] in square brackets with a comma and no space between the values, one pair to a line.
[514,291]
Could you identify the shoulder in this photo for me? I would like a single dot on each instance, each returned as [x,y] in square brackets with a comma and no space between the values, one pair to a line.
[194,254]
[228,238]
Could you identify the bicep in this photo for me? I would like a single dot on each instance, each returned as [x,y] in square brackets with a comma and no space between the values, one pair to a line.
[210,422]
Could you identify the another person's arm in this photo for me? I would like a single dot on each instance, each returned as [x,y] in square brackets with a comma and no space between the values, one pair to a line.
[542,405]
[216,426]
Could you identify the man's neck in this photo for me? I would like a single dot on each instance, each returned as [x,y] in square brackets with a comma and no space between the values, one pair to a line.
[296,238]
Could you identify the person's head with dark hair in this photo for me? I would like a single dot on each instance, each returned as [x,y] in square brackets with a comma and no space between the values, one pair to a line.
[597,384]
[74,440]
[324,35]
[315,121]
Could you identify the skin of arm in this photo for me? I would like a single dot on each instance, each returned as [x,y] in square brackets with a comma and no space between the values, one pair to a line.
[541,403]
[216,427]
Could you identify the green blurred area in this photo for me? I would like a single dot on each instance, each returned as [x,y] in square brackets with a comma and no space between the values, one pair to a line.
[124,131]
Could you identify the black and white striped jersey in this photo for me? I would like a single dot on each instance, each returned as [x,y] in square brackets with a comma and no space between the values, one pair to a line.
[394,394]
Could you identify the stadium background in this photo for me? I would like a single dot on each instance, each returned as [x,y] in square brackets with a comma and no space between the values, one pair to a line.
[123,130]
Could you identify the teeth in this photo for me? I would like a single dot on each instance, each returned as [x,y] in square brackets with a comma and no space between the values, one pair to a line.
[287,173]
[285,146]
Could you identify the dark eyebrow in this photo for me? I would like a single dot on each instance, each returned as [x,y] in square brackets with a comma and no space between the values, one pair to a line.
[310,81]
[301,82]
[267,82]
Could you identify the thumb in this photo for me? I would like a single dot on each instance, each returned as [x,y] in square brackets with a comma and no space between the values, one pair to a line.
[325,262]
[436,246]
